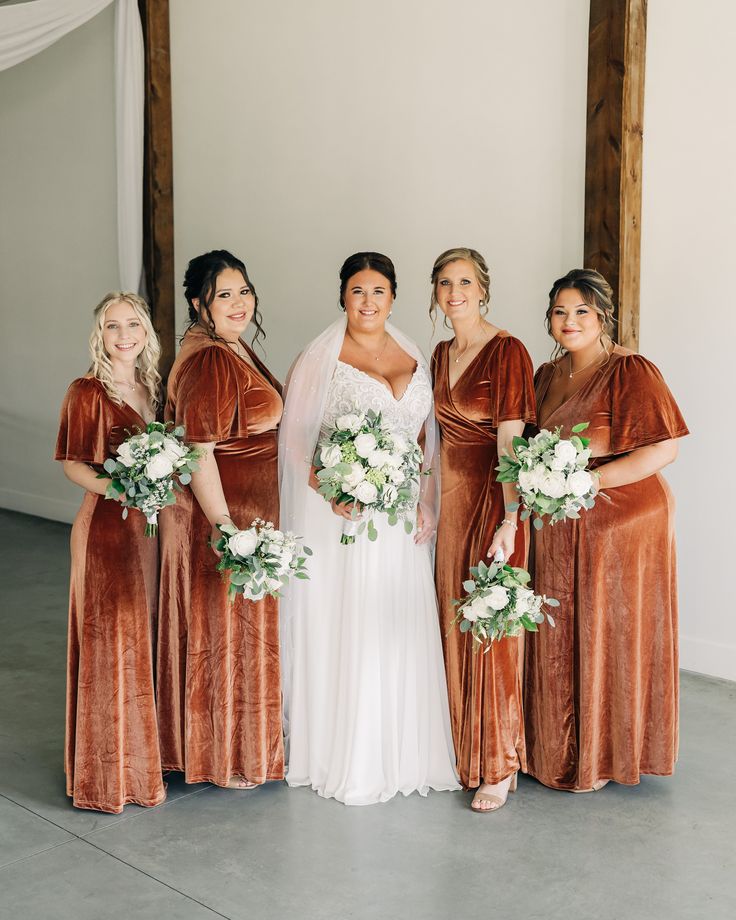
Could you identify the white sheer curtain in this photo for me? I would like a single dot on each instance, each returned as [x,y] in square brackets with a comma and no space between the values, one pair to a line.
[26,29]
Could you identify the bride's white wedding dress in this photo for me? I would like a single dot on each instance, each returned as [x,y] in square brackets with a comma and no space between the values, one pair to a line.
[368,711]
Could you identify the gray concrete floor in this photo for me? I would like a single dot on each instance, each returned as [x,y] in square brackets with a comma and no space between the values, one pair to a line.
[664,849]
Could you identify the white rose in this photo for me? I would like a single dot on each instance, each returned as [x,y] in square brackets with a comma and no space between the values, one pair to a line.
[243,543]
[173,449]
[524,600]
[396,477]
[497,598]
[393,460]
[125,454]
[476,609]
[389,493]
[365,492]
[583,458]
[554,484]
[565,452]
[378,458]
[159,467]
[527,480]
[349,422]
[330,455]
[400,443]
[354,477]
[579,483]
[365,444]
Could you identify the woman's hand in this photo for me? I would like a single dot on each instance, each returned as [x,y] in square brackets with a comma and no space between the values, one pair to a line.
[503,540]
[426,525]
[346,510]
[215,537]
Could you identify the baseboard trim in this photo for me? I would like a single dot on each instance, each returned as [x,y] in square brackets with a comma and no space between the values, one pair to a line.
[716,659]
[54,509]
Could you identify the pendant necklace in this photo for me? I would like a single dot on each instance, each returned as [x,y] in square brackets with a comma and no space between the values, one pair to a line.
[124,383]
[573,373]
[459,355]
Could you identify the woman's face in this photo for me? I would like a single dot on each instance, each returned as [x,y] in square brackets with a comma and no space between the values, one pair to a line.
[575,325]
[233,304]
[368,300]
[123,334]
[458,291]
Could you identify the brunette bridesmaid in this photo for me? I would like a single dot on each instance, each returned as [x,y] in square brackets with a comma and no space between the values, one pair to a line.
[111,753]
[601,688]
[484,394]
[219,687]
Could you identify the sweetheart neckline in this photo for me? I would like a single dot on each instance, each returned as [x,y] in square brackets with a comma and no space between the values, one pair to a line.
[383,386]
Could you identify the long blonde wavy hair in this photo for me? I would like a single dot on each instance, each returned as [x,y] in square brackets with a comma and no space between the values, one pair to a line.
[481,273]
[147,363]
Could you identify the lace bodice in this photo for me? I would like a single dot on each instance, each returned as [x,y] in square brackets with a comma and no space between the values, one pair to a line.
[352,389]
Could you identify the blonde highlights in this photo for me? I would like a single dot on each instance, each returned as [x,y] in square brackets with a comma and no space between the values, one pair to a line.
[147,362]
[594,291]
[479,267]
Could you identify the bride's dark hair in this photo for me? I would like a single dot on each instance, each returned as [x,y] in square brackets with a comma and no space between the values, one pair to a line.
[360,261]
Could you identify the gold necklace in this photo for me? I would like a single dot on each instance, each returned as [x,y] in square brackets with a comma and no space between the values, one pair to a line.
[459,355]
[124,383]
[380,354]
[573,373]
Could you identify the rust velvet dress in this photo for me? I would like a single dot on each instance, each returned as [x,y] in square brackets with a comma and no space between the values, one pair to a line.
[219,683]
[485,690]
[601,688]
[111,749]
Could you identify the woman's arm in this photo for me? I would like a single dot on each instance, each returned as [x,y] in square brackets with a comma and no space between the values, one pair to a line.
[639,464]
[81,474]
[505,537]
[207,488]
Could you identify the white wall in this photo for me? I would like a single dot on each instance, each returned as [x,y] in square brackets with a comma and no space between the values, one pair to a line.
[58,249]
[306,131]
[687,304]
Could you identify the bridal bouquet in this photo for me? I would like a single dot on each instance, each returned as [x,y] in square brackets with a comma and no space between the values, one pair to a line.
[500,604]
[363,463]
[550,474]
[150,466]
[259,560]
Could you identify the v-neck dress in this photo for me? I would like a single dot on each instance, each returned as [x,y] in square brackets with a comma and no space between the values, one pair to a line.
[601,688]
[218,672]
[111,753]
[485,689]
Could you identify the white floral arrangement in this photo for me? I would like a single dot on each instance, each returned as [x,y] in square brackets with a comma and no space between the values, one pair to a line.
[499,603]
[363,463]
[151,466]
[551,475]
[260,560]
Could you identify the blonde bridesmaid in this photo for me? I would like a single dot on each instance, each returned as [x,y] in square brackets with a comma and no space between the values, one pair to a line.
[484,395]
[601,689]
[219,685]
[111,754]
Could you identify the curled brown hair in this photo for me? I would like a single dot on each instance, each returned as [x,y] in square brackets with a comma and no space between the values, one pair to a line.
[594,290]
[479,267]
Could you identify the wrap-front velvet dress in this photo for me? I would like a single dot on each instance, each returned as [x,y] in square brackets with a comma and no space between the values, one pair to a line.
[111,753]
[601,688]
[485,690]
[218,672]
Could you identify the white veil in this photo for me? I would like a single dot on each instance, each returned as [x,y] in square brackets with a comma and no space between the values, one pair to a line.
[305,400]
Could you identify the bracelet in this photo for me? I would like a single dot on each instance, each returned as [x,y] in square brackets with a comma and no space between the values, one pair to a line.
[507,521]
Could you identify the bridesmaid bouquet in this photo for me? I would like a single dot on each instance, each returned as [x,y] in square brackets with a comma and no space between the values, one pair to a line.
[150,466]
[260,560]
[551,475]
[499,604]
[363,463]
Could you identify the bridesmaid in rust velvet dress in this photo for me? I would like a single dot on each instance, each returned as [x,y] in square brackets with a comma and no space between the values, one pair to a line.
[219,684]
[484,394]
[111,751]
[601,689]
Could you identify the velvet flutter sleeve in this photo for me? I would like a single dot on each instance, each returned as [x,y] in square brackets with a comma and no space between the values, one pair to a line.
[209,401]
[512,383]
[84,423]
[643,410]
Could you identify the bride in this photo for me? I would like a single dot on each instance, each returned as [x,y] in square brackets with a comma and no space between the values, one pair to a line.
[365,698]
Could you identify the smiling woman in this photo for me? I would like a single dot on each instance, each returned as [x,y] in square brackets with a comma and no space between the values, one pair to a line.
[112,604]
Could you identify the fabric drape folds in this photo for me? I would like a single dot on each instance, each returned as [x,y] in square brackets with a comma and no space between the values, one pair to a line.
[111,749]
[485,690]
[601,688]
[28,28]
[218,675]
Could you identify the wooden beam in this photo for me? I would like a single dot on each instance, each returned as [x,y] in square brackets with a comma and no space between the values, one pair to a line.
[158,185]
[613,162]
